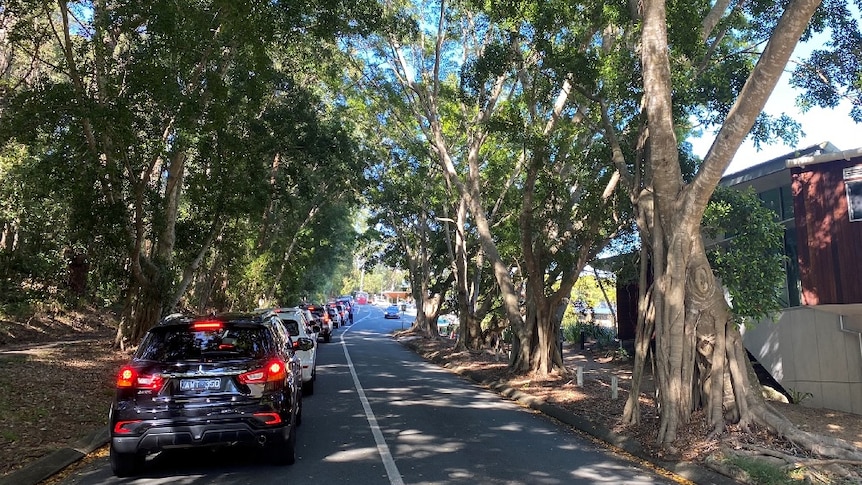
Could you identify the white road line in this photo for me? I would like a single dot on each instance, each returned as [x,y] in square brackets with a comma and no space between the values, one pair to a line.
[382,447]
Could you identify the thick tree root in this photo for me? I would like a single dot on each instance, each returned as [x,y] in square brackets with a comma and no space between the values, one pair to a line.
[826,447]
[823,459]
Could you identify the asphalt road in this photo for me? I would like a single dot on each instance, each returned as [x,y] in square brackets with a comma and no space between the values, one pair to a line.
[381,415]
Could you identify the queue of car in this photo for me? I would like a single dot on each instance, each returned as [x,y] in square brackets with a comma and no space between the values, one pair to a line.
[220,380]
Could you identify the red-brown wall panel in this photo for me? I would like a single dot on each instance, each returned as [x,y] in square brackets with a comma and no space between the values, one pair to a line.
[830,246]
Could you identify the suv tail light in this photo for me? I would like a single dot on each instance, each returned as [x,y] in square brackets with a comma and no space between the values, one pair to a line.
[268,418]
[273,371]
[128,377]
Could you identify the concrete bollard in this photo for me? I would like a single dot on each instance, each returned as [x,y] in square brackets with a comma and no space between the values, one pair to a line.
[579,371]
[614,387]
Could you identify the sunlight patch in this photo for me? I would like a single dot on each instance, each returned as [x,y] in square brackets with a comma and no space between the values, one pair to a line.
[356,454]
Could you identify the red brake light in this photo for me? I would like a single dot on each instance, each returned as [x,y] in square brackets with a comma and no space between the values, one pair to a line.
[272,372]
[253,377]
[126,377]
[123,427]
[207,325]
[268,418]
[153,382]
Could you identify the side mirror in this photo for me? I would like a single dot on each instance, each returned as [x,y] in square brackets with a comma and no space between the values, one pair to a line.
[315,328]
[303,343]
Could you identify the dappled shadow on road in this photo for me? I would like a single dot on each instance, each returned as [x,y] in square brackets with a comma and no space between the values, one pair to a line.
[442,429]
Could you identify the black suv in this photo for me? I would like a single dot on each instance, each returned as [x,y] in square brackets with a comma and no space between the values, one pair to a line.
[207,381]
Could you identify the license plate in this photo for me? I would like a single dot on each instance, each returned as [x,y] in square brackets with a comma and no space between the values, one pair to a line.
[199,384]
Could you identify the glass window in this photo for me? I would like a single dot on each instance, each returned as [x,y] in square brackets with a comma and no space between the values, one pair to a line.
[786,202]
[793,283]
[772,199]
[292,326]
[780,200]
[854,199]
[173,344]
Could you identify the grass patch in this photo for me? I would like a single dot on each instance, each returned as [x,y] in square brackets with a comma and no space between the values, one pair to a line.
[764,473]
[12,358]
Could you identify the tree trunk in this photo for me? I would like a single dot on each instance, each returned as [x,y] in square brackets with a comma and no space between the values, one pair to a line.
[142,310]
[153,277]
[190,271]
[466,295]
[646,319]
[269,210]
[270,294]
[78,267]
[546,355]
[701,360]
[206,283]
[427,314]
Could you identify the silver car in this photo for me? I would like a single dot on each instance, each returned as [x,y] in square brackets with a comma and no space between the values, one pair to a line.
[299,328]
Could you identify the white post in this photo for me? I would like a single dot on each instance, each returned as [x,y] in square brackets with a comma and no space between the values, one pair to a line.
[580,373]
[614,386]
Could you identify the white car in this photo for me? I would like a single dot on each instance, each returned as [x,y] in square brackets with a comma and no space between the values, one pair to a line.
[297,326]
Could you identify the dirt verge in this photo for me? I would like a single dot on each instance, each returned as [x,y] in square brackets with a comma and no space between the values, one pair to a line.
[57,375]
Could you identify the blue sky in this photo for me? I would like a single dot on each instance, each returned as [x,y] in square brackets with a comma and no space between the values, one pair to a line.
[819,125]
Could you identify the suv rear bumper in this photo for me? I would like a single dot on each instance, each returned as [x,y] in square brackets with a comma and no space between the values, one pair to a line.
[191,436]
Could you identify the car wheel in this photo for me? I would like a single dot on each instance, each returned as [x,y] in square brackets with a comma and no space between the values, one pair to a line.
[308,387]
[284,453]
[299,414]
[126,464]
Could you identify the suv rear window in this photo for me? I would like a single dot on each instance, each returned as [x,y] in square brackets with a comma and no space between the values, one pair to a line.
[181,343]
[292,326]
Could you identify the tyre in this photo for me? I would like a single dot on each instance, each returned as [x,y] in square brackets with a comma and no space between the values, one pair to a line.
[126,464]
[308,387]
[327,338]
[299,414]
[284,453]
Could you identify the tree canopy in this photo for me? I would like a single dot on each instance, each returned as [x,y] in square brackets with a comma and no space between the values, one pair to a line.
[193,155]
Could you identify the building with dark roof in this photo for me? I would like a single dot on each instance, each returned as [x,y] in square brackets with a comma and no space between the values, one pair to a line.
[815,345]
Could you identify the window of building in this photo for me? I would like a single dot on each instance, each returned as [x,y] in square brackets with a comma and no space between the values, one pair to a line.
[772,199]
[853,188]
[780,200]
[786,202]
[793,282]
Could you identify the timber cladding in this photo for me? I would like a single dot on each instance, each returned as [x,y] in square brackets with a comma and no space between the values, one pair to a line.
[829,243]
